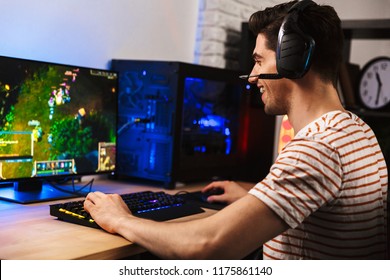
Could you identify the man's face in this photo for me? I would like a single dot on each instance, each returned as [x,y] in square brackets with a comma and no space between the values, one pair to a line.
[275,93]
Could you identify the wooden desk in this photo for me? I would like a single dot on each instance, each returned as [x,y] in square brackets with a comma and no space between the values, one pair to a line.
[27,231]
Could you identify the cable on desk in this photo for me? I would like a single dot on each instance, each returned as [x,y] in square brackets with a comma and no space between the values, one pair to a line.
[182,192]
[75,191]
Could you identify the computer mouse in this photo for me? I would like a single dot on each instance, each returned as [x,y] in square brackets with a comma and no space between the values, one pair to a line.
[213,191]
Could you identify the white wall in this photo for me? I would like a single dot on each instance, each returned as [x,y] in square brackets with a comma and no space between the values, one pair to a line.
[92,32]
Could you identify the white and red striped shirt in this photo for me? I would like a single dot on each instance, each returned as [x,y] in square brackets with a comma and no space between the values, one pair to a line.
[329,184]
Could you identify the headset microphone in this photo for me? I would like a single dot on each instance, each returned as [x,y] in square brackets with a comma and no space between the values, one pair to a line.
[274,76]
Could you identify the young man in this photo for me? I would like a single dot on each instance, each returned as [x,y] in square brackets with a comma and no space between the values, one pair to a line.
[325,196]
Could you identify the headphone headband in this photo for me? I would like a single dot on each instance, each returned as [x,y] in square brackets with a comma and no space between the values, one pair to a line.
[301,5]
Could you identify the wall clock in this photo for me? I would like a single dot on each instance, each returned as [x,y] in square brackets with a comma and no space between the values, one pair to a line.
[374,84]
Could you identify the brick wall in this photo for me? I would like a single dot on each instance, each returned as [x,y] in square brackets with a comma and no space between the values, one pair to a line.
[219,30]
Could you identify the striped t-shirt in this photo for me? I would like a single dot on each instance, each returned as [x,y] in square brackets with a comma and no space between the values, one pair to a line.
[329,184]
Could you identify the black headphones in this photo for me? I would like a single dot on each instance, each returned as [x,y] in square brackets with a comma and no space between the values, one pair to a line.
[295,48]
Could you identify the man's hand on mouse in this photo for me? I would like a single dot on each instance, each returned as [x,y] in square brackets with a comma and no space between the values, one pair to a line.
[229,191]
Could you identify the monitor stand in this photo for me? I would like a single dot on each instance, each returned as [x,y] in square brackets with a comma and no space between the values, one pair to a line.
[31,191]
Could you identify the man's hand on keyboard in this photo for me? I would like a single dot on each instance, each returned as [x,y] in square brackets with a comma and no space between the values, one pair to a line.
[106,209]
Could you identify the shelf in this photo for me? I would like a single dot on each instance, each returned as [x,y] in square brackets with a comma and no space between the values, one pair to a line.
[366,29]
[374,29]
[368,113]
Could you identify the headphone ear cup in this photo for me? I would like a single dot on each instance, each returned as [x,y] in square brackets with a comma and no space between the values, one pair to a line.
[295,48]
[294,53]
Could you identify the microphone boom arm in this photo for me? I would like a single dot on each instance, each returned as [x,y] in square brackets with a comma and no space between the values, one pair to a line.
[274,76]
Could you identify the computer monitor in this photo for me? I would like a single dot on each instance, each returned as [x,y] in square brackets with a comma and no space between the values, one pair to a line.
[57,122]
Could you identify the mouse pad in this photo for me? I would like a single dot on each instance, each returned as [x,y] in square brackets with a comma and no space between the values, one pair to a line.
[199,199]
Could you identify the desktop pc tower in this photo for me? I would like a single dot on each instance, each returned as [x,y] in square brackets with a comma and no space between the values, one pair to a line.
[180,122]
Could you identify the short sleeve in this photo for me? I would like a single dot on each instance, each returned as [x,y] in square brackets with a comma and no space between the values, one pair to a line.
[306,175]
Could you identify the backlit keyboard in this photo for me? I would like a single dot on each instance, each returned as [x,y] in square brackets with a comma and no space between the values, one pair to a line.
[158,206]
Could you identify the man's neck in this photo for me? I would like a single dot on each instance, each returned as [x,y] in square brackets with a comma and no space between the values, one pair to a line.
[311,103]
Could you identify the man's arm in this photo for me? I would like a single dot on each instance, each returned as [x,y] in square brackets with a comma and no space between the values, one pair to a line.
[231,233]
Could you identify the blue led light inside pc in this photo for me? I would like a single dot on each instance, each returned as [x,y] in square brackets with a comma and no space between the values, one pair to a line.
[204,122]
